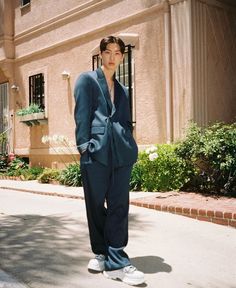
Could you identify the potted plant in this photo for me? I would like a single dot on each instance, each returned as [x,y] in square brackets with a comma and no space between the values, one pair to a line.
[32,115]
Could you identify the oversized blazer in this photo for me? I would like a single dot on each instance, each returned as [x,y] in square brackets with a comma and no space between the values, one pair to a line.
[102,128]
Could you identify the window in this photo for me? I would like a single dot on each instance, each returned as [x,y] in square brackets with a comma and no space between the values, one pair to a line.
[4,118]
[25,2]
[124,74]
[36,90]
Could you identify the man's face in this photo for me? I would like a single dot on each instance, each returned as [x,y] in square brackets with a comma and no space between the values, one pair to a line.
[111,57]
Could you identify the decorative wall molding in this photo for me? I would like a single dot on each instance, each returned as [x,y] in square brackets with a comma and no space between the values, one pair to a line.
[59,19]
[173,2]
[6,38]
[60,150]
[46,151]
[158,8]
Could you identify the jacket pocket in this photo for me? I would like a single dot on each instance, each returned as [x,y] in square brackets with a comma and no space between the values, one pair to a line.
[98,130]
[98,139]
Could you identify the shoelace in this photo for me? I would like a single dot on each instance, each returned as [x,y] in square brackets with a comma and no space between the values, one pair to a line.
[130,269]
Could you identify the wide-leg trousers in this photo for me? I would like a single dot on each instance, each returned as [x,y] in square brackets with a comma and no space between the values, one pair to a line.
[106,191]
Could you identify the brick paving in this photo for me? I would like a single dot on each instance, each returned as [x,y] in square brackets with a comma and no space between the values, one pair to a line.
[221,210]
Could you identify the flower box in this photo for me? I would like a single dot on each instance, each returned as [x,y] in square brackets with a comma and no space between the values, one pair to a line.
[34,119]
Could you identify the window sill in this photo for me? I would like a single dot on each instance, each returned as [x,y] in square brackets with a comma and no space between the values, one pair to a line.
[34,119]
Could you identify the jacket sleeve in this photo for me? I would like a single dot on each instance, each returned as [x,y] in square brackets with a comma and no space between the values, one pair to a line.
[82,112]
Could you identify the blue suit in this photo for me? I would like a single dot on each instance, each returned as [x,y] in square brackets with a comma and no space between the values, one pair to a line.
[108,151]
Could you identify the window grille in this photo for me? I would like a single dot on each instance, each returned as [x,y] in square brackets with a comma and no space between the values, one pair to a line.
[24,2]
[36,90]
[124,74]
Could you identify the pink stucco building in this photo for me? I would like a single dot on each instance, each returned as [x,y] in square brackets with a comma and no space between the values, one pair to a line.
[180,66]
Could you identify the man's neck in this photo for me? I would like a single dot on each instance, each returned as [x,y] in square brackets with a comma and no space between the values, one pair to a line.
[109,74]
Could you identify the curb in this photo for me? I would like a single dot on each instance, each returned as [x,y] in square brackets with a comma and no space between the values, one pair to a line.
[217,217]
[43,193]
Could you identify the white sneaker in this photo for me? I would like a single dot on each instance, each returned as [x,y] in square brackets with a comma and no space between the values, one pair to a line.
[97,263]
[129,275]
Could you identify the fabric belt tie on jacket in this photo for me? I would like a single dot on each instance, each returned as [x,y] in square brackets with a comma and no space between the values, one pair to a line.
[111,142]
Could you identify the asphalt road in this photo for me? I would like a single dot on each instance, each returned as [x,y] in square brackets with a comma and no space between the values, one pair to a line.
[44,243]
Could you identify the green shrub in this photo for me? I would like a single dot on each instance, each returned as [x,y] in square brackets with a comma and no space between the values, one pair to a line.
[49,175]
[211,151]
[71,176]
[33,108]
[136,177]
[3,145]
[32,173]
[16,166]
[160,169]
[3,162]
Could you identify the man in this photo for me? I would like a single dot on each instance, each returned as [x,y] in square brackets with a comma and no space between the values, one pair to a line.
[108,152]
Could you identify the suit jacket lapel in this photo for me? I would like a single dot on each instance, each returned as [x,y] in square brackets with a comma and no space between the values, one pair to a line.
[103,84]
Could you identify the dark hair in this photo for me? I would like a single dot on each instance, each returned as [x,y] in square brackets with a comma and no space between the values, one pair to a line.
[112,39]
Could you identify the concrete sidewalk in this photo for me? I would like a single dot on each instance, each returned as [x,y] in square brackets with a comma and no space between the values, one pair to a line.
[204,208]
[54,190]
[8,281]
[45,244]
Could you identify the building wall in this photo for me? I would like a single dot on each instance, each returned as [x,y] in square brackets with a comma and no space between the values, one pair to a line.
[182,97]
[221,63]
[214,59]
[67,43]
[183,60]
[203,37]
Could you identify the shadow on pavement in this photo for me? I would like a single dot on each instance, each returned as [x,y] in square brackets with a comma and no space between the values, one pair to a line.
[41,249]
[136,221]
[51,250]
[151,264]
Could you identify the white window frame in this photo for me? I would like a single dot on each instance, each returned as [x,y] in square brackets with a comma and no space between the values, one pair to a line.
[25,3]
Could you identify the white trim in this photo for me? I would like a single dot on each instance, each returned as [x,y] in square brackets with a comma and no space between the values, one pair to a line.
[24,6]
